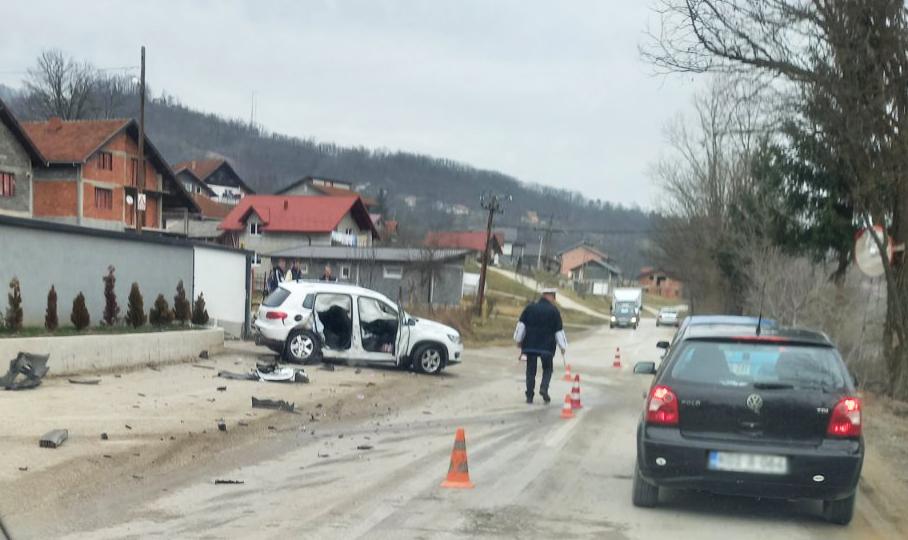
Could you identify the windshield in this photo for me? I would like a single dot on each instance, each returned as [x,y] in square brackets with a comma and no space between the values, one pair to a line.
[748,364]
[625,308]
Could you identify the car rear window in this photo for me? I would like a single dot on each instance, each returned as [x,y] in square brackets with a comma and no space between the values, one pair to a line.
[745,364]
[276,298]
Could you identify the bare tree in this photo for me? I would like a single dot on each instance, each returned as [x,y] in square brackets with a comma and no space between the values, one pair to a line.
[60,86]
[847,62]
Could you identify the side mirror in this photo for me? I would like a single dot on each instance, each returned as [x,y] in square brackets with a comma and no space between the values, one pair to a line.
[411,322]
[645,368]
[663,345]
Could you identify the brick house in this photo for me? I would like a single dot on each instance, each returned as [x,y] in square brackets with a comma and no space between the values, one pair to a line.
[271,223]
[219,176]
[91,172]
[575,256]
[18,158]
[660,283]
[193,184]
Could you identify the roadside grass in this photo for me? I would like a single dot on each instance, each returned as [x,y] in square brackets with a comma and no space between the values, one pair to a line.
[40,331]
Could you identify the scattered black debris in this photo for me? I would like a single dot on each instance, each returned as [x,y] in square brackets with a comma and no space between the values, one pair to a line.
[53,438]
[127,426]
[241,423]
[358,371]
[23,469]
[219,482]
[222,388]
[200,366]
[238,376]
[271,428]
[427,412]
[368,384]
[31,366]
[172,438]
[203,355]
[222,426]
[137,477]
[84,381]
[323,455]
[211,400]
[104,437]
[135,407]
[318,406]
[365,447]
[141,394]
[136,454]
[327,367]
[117,376]
[272,404]
[341,436]
[154,368]
[108,456]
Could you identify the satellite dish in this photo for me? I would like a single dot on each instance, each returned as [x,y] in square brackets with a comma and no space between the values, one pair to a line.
[867,253]
[129,200]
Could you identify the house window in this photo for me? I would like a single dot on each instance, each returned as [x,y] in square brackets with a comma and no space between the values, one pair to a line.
[105,161]
[188,186]
[394,272]
[349,231]
[103,198]
[255,229]
[256,259]
[7,184]
[345,271]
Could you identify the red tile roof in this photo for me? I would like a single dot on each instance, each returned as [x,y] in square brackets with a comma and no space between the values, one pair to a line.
[72,141]
[298,213]
[210,208]
[341,192]
[202,168]
[472,240]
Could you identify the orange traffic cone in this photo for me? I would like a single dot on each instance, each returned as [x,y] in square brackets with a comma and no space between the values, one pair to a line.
[617,362]
[567,411]
[567,373]
[575,394]
[458,472]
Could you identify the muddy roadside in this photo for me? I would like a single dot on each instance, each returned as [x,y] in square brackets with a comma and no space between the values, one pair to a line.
[161,426]
[884,478]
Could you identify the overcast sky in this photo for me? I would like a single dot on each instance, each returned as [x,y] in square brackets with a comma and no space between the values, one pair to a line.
[552,92]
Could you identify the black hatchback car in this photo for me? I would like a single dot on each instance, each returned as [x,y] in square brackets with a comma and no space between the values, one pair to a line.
[774,416]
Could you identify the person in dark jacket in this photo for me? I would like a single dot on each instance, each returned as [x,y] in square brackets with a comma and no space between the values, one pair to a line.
[539,331]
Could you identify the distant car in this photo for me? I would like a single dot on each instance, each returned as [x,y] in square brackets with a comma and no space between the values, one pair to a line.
[624,315]
[312,320]
[667,317]
[773,416]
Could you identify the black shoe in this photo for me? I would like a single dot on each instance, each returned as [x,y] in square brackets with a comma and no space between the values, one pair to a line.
[545,397]
[529,398]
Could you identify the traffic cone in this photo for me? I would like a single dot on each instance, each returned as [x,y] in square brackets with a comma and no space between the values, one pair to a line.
[567,373]
[575,394]
[567,411]
[458,472]
[617,362]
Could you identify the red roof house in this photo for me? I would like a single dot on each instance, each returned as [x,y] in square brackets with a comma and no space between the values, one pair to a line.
[472,240]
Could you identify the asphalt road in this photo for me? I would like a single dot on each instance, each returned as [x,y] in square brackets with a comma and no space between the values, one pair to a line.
[536,475]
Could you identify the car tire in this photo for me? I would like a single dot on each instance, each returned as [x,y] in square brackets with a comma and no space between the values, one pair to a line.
[302,347]
[429,359]
[611,326]
[839,511]
[644,494]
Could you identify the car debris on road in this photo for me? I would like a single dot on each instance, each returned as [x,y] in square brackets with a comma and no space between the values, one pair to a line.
[279,404]
[32,366]
[84,381]
[54,438]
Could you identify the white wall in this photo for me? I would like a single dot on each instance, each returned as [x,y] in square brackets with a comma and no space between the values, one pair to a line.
[221,276]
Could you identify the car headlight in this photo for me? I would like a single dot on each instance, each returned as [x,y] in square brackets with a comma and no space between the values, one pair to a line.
[633,319]
[455,338]
[614,318]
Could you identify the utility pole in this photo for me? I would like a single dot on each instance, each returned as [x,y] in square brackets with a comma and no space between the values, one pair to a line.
[140,173]
[493,204]
[545,241]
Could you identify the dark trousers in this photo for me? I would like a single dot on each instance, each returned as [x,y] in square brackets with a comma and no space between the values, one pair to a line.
[546,373]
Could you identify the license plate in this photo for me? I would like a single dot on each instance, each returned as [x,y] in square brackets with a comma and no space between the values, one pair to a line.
[748,463]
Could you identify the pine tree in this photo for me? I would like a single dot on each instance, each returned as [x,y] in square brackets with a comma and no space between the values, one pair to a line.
[80,316]
[182,309]
[14,311]
[199,313]
[111,308]
[160,313]
[50,316]
[135,311]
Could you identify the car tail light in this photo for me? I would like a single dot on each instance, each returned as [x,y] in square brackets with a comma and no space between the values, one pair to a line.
[662,406]
[845,420]
[276,315]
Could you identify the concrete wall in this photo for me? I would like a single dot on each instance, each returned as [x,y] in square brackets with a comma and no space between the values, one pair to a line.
[75,259]
[217,273]
[78,354]
[14,159]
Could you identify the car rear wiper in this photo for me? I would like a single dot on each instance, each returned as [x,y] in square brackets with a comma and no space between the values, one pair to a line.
[773,386]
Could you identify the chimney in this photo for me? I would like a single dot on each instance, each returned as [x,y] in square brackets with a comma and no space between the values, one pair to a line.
[286,204]
[55,123]
[193,165]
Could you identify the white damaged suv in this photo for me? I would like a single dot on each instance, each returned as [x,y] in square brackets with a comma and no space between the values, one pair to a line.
[307,321]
